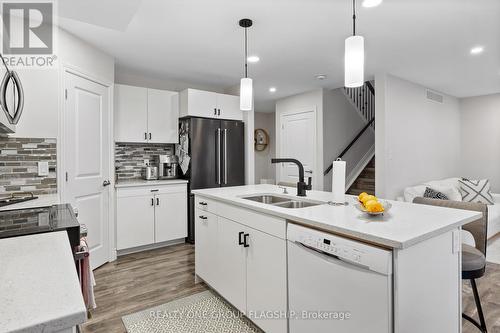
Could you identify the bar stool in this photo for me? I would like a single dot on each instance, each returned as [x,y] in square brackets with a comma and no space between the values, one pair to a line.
[473,258]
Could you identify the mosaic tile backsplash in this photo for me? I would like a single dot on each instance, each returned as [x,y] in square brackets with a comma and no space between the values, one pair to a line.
[19,159]
[129,158]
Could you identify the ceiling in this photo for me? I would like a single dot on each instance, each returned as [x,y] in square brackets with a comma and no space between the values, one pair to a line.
[199,41]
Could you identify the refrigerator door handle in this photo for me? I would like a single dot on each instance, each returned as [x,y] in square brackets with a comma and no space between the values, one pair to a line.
[225,156]
[218,156]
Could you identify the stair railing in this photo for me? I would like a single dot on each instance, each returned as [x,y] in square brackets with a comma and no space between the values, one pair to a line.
[363,99]
[360,133]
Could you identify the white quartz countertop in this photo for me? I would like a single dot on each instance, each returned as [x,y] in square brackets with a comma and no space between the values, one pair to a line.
[41,201]
[39,288]
[403,226]
[142,182]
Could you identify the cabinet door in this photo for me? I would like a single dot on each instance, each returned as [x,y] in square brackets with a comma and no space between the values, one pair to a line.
[134,221]
[229,107]
[266,279]
[201,103]
[163,116]
[130,113]
[206,247]
[231,262]
[170,216]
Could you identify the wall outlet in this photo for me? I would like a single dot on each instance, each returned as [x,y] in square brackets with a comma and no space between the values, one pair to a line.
[146,162]
[43,168]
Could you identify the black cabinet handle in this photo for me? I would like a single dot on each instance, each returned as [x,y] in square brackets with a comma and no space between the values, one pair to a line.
[202,203]
[149,136]
[145,136]
[203,217]
[245,240]
[215,111]
[218,112]
[240,241]
[152,202]
[157,201]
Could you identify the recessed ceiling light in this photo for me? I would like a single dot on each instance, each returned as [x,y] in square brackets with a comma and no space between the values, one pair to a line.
[321,76]
[477,50]
[253,58]
[371,3]
[272,89]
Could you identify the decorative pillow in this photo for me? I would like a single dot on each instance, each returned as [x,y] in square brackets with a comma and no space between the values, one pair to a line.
[433,194]
[476,191]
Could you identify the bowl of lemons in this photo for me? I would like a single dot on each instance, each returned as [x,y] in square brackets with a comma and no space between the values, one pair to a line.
[371,205]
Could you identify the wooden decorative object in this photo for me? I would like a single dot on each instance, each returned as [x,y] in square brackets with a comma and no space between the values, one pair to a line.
[261,139]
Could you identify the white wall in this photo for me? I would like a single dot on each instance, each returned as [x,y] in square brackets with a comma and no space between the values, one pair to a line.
[264,169]
[341,123]
[480,129]
[416,139]
[299,102]
[43,87]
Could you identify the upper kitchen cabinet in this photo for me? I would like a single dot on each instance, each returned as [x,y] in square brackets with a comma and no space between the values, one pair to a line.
[199,103]
[146,115]
[131,113]
[163,116]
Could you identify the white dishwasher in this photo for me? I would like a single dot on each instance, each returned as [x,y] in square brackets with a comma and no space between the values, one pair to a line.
[336,284]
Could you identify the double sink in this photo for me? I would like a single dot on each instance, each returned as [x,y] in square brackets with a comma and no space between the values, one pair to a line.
[282,201]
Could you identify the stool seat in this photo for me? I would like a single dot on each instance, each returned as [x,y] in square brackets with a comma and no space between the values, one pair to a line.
[473,262]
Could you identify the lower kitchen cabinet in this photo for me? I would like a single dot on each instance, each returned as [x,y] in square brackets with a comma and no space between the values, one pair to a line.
[170,216]
[231,255]
[244,265]
[135,217]
[206,246]
[266,280]
[149,215]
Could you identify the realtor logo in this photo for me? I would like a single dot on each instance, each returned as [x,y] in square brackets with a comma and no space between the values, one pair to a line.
[28,32]
[28,28]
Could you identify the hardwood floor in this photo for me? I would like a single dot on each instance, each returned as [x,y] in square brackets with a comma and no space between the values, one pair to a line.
[139,281]
[142,280]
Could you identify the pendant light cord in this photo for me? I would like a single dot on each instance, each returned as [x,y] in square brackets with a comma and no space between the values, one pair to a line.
[246,55]
[354,17]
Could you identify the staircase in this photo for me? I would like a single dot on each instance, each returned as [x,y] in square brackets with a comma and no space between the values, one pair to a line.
[362,177]
[365,181]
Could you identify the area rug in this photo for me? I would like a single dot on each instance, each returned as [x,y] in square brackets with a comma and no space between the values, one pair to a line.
[202,312]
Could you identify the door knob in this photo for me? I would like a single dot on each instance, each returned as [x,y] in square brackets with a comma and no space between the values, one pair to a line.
[106,183]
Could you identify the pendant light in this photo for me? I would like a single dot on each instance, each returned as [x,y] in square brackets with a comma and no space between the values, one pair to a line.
[354,61]
[246,85]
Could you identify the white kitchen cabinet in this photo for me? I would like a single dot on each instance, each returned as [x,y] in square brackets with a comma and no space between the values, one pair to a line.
[163,116]
[206,226]
[199,103]
[135,221]
[145,115]
[266,279]
[170,216]
[150,215]
[231,257]
[242,255]
[131,115]
[228,107]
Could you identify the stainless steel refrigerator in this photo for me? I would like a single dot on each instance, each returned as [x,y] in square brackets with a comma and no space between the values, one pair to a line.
[217,149]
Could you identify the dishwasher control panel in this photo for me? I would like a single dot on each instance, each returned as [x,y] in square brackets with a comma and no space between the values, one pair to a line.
[374,258]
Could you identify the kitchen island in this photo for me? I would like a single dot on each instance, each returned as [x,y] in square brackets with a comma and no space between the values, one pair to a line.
[241,252]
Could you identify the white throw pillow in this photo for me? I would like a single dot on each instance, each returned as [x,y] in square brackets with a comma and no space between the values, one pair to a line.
[411,193]
[450,187]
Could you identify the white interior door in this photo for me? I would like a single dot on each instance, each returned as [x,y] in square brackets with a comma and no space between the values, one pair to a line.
[87,155]
[297,140]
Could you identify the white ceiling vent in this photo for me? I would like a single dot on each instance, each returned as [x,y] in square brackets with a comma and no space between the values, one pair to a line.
[434,96]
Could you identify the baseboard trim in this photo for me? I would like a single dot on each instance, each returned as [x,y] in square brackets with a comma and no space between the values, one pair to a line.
[150,247]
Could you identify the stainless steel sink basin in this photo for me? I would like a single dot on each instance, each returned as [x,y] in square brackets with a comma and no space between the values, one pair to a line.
[267,199]
[281,201]
[297,204]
